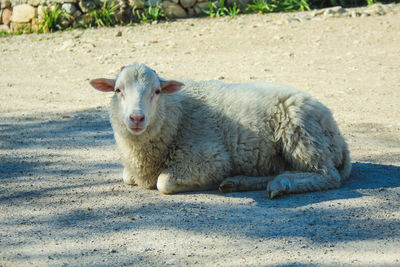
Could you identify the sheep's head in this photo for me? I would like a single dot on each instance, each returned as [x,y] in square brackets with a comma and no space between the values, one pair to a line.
[138,89]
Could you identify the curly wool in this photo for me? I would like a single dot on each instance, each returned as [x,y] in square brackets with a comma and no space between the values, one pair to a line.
[209,131]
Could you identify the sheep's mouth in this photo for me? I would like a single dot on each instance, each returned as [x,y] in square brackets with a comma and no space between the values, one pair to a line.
[136,130]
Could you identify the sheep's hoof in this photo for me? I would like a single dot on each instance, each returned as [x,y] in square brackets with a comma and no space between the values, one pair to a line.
[227,186]
[273,194]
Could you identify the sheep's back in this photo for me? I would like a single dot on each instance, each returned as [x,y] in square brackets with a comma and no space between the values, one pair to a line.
[241,117]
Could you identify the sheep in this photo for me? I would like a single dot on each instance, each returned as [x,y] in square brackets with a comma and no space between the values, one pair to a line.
[184,135]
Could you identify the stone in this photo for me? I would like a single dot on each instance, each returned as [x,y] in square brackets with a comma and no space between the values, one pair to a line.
[84,19]
[69,8]
[174,10]
[187,3]
[318,12]
[4,28]
[191,12]
[5,3]
[136,3]
[199,7]
[334,11]
[375,10]
[152,2]
[35,25]
[34,3]
[24,27]
[86,5]
[355,14]
[6,14]
[40,10]
[23,13]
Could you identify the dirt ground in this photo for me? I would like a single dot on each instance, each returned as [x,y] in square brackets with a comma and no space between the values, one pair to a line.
[62,199]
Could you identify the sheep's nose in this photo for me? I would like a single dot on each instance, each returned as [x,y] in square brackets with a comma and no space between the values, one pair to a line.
[137,119]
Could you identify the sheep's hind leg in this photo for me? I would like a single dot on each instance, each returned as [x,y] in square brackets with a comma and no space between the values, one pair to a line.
[244,183]
[301,182]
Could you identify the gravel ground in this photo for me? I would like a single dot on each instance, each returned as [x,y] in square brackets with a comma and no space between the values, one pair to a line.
[62,200]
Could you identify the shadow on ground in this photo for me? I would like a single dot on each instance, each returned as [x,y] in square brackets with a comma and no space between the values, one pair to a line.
[257,218]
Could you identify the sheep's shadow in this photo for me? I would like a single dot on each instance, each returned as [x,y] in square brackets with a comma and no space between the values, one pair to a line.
[365,178]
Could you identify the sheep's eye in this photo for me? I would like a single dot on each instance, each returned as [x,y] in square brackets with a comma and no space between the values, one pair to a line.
[157,92]
[118,90]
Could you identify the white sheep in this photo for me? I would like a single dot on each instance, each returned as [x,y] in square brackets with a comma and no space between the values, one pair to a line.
[190,136]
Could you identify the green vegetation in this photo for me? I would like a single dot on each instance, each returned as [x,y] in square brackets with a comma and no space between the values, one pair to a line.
[54,19]
[149,14]
[218,9]
[268,6]
[105,16]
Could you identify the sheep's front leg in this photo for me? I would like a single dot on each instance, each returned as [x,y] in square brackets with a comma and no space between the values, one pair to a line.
[170,183]
[128,177]
[301,182]
[244,183]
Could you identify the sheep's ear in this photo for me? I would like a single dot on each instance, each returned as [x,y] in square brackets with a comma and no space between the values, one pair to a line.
[104,85]
[170,87]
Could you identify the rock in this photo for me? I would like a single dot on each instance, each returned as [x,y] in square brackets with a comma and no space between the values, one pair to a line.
[136,3]
[40,10]
[291,20]
[187,3]
[23,27]
[23,13]
[174,10]
[5,4]
[69,8]
[318,12]
[331,11]
[6,14]
[334,11]
[34,3]
[84,19]
[77,13]
[375,10]
[199,7]
[355,14]
[87,5]
[152,2]
[4,28]
[191,12]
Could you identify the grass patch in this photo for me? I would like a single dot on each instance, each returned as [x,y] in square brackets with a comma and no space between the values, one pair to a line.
[268,6]
[54,19]
[149,14]
[104,16]
[219,9]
